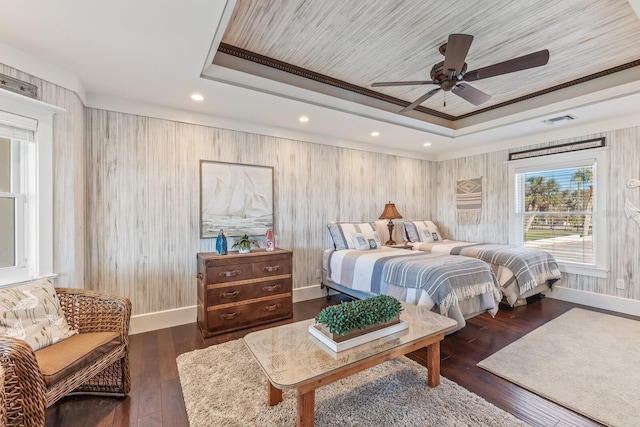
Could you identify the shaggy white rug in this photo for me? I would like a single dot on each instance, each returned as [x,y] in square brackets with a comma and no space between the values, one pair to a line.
[224,386]
[583,360]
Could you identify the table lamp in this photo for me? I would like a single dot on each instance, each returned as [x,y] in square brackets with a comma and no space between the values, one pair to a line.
[390,212]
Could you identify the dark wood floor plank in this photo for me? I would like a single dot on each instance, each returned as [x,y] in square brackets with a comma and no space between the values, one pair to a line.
[156,396]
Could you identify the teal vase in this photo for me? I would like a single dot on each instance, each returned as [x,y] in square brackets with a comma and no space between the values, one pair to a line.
[221,243]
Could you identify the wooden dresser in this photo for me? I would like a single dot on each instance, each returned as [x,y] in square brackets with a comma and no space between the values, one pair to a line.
[238,291]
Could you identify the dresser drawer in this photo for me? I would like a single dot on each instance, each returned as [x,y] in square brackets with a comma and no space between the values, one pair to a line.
[242,292]
[243,315]
[276,267]
[228,273]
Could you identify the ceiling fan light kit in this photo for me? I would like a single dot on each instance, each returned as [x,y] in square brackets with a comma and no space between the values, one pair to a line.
[451,73]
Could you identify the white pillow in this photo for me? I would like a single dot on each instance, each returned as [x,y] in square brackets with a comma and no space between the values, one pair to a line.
[341,234]
[32,312]
[422,231]
[363,242]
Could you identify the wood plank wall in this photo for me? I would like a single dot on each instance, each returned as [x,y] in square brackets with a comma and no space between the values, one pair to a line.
[143,195]
[126,198]
[623,234]
[69,192]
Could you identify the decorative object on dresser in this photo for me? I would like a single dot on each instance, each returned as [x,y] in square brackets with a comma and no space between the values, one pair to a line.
[390,212]
[244,244]
[221,243]
[270,242]
[238,291]
[236,197]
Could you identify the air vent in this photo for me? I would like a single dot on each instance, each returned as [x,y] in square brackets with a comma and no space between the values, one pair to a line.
[559,119]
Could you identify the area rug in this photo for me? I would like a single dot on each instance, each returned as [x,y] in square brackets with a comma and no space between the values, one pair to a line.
[583,360]
[223,385]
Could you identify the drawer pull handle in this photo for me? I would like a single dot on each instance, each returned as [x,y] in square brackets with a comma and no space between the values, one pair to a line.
[271,288]
[273,307]
[230,273]
[271,269]
[230,294]
[230,316]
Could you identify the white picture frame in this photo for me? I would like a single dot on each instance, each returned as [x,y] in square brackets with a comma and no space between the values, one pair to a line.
[235,197]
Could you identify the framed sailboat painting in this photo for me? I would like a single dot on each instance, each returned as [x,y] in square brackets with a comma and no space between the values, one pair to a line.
[236,198]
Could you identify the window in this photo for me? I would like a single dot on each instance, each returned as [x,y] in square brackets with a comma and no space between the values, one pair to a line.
[557,205]
[26,191]
[12,200]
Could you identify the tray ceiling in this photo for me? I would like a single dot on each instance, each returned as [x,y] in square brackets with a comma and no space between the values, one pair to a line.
[350,45]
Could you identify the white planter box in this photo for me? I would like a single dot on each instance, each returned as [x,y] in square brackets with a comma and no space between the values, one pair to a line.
[359,340]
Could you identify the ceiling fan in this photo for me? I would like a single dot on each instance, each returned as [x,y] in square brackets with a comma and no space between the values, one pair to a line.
[450,74]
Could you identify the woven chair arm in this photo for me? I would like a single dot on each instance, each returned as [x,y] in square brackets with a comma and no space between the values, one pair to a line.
[23,383]
[91,311]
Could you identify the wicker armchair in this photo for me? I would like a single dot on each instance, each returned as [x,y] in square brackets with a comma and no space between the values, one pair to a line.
[25,387]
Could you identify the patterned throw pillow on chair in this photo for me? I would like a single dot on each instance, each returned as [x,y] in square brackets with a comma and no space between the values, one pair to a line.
[32,312]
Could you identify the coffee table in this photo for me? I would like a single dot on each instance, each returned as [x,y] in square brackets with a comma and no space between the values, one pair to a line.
[292,358]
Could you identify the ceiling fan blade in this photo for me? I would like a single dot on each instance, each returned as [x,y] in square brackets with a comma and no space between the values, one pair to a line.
[471,94]
[525,62]
[411,83]
[457,48]
[420,100]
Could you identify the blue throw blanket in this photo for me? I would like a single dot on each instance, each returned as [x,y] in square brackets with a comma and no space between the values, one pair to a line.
[446,279]
[530,267]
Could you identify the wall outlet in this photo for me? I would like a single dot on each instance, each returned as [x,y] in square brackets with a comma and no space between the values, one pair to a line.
[318,274]
[620,284]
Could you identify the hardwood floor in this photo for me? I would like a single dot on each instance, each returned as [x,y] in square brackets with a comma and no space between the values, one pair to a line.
[156,396]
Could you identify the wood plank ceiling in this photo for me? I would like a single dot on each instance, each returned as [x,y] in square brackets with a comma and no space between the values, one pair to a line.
[361,42]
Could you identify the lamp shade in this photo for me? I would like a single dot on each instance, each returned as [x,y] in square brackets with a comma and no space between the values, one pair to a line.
[390,212]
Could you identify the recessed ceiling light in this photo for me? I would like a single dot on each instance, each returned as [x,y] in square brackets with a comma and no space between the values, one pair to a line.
[197,97]
[303,119]
[427,144]
[375,133]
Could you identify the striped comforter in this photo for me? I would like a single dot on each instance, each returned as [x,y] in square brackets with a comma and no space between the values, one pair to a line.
[446,279]
[527,267]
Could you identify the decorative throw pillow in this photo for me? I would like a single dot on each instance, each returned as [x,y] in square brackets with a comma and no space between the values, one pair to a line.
[422,231]
[364,243]
[341,234]
[32,312]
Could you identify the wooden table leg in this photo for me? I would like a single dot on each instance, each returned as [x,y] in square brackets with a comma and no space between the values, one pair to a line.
[306,409]
[433,364]
[274,395]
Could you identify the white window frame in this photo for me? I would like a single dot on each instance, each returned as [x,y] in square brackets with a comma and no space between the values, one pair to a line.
[22,112]
[599,157]
[17,192]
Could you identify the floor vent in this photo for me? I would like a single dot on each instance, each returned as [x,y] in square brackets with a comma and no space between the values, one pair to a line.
[559,119]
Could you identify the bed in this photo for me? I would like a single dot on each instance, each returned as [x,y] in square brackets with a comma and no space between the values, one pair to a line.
[456,287]
[522,272]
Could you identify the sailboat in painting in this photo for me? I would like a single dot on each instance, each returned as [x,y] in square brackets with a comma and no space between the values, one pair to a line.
[237,199]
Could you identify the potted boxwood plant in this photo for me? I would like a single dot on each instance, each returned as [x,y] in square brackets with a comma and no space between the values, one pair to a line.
[350,319]
[244,244]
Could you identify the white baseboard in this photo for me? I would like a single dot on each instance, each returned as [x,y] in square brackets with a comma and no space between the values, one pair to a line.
[162,319]
[592,299]
[180,316]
